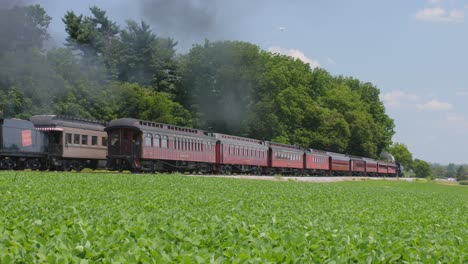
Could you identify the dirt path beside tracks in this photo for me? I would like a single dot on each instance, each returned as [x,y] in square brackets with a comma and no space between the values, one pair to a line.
[308,179]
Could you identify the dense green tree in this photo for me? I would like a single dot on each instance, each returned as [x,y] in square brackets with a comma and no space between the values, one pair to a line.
[422,169]
[461,173]
[218,82]
[147,59]
[229,86]
[96,37]
[451,170]
[133,100]
[439,171]
[402,154]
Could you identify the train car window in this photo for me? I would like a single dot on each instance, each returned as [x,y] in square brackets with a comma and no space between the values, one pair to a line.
[114,139]
[76,139]
[148,140]
[156,141]
[104,141]
[94,140]
[68,138]
[84,140]
[164,142]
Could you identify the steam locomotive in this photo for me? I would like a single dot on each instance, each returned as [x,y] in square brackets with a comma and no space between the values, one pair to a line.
[55,142]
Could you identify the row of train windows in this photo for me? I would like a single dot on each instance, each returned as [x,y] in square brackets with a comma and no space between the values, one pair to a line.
[157,141]
[320,160]
[288,156]
[78,139]
[240,151]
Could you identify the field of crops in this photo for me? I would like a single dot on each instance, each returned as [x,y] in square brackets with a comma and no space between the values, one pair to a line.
[123,218]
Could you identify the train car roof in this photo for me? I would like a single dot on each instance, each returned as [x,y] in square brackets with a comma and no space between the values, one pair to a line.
[355,157]
[339,156]
[279,146]
[317,152]
[17,122]
[240,140]
[149,126]
[370,160]
[42,121]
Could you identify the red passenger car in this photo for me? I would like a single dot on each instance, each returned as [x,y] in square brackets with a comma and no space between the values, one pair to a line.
[317,162]
[285,159]
[382,168]
[392,169]
[339,163]
[371,167]
[240,155]
[142,145]
[358,166]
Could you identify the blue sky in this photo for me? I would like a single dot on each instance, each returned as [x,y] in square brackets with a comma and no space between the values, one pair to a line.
[413,51]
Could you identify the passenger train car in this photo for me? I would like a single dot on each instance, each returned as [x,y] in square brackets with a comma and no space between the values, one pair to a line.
[139,145]
[73,143]
[58,142]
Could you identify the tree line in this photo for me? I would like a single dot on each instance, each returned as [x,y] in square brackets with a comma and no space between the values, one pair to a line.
[106,71]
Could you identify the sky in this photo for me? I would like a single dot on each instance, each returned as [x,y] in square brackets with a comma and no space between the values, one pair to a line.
[415,51]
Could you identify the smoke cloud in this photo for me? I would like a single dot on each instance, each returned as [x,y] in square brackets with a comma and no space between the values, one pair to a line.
[191,17]
[187,21]
[7,4]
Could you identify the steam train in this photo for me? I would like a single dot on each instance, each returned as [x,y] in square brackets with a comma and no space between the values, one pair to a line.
[139,145]
[55,142]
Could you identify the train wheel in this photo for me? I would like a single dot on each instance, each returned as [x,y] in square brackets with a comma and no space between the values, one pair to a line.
[77,166]
[226,169]
[258,171]
[67,166]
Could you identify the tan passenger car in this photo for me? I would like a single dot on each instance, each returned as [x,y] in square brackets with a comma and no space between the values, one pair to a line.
[73,143]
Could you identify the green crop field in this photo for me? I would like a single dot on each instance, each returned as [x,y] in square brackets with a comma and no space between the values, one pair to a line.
[124,218]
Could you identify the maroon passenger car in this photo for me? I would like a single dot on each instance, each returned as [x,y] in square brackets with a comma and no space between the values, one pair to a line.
[285,159]
[240,155]
[339,164]
[317,162]
[358,166]
[139,145]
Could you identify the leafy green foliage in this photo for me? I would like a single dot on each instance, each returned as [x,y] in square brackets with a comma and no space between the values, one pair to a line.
[230,87]
[422,169]
[402,154]
[461,174]
[109,218]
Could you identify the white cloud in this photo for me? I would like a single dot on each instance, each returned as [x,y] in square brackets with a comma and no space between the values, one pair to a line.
[438,14]
[461,93]
[297,54]
[434,105]
[395,99]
